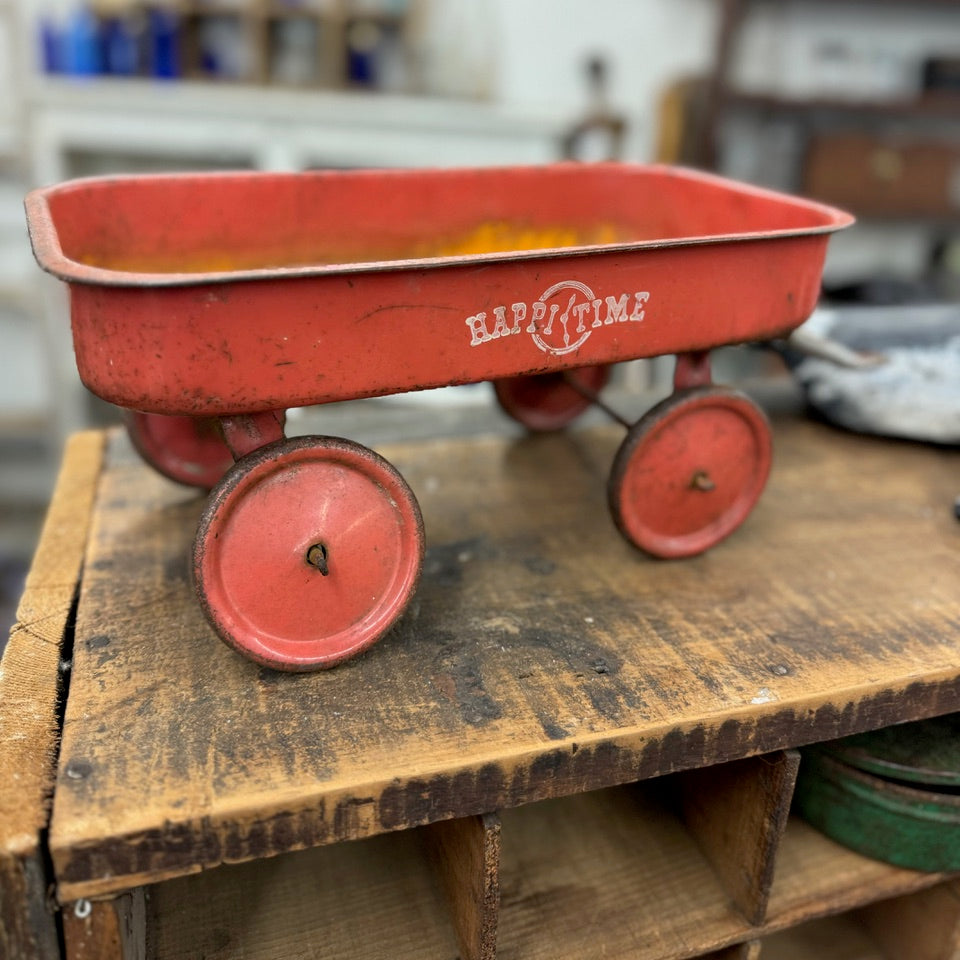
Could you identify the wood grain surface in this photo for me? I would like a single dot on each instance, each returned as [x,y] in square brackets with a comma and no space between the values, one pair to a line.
[737,813]
[615,874]
[834,938]
[740,951]
[612,873]
[31,682]
[542,655]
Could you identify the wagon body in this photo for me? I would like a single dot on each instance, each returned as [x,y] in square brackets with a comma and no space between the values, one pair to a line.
[220,300]
[220,294]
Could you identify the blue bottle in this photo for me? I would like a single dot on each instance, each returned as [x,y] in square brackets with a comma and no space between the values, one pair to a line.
[81,47]
[164,41]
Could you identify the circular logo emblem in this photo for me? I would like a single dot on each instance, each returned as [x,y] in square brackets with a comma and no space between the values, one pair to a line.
[564,327]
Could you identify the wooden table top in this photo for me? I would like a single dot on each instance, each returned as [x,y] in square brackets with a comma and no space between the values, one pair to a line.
[542,656]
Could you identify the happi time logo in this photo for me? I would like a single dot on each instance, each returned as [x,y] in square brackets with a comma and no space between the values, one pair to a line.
[561,320]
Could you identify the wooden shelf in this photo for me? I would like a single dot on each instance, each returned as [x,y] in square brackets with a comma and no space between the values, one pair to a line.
[370,900]
[256,45]
[527,678]
[612,874]
[903,174]
[936,106]
[816,876]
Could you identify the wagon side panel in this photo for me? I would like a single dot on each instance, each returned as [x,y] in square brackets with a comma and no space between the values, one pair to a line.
[296,340]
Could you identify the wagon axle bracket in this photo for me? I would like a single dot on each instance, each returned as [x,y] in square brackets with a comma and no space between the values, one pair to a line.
[692,370]
[594,398]
[248,432]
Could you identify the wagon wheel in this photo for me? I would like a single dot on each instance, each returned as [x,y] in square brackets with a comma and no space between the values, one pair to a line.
[308,551]
[189,450]
[690,471]
[547,401]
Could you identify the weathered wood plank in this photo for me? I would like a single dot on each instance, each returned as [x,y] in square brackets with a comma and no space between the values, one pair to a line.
[30,687]
[612,874]
[737,812]
[466,856]
[542,656]
[615,874]
[107,929]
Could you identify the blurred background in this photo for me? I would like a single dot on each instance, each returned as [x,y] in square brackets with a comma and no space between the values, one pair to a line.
[856,103]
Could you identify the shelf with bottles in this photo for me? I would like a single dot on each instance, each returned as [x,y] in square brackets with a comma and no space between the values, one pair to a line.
[332,44]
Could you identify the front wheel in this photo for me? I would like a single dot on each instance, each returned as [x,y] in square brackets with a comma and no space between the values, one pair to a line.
[307,553]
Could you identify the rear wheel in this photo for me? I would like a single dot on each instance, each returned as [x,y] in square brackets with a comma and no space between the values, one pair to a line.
[547,401]
[190,450]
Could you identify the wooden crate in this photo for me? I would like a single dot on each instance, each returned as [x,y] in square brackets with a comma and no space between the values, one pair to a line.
[564,749]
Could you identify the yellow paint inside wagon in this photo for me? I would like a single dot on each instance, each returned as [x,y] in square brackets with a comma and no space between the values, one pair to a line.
[506,237]
[490,237]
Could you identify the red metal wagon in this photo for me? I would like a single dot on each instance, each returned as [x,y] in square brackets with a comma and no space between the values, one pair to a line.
[210,304]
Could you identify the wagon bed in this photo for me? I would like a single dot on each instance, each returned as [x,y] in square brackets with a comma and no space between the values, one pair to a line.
[210,294]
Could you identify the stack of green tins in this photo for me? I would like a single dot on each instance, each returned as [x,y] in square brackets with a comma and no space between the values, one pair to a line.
[892,794]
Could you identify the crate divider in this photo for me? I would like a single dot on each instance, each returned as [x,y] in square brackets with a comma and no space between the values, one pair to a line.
[114,928]
[737,812]
[465,853]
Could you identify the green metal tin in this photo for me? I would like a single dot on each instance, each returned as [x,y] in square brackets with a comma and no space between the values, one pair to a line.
[902,824]
[926,752]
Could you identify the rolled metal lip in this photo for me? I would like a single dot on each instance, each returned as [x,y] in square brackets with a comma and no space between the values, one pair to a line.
[51,257]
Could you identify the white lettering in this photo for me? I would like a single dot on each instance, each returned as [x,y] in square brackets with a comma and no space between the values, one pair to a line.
[641,299]
[617,309]
[478,329]
[500,328]
[541,315]
[597,322]
[578,311]
[565,319]
[554,309]
[537,314]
